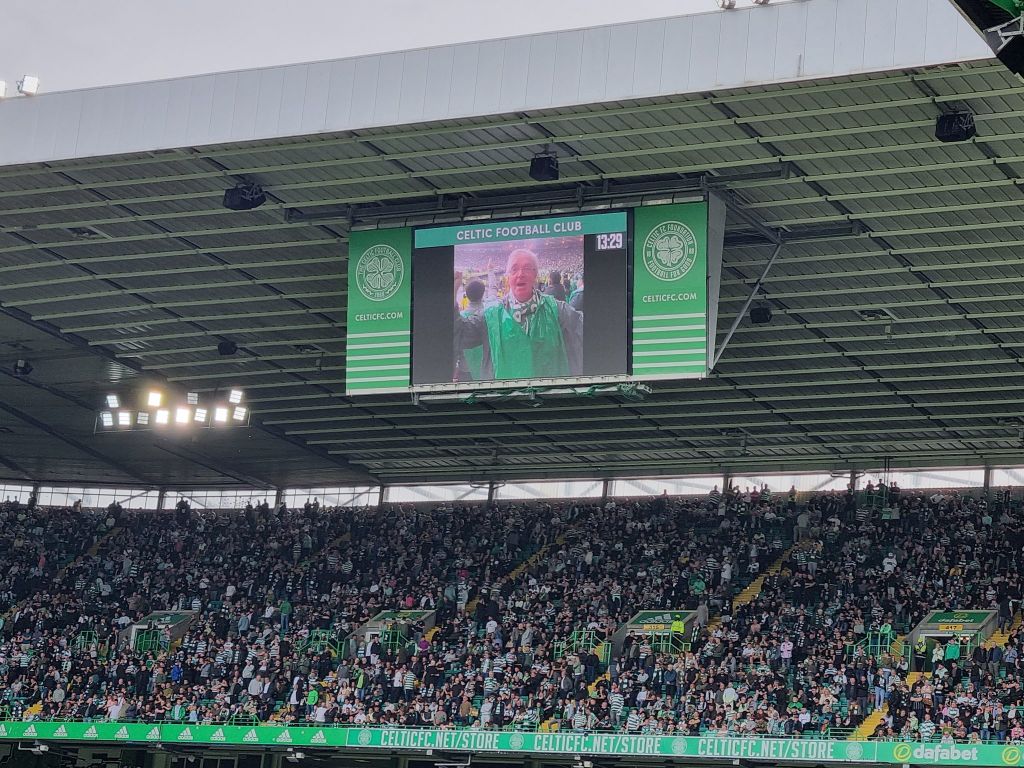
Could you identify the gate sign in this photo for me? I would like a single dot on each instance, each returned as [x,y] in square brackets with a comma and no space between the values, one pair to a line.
[567,744]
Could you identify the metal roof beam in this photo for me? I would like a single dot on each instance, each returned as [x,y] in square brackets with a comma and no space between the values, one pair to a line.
[164,255]
[577,114]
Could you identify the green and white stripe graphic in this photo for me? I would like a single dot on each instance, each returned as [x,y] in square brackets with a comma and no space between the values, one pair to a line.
[670,292]
[378,346]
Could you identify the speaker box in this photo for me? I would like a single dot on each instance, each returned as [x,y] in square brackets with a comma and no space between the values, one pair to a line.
[544,168]
[244,198]
[958,126]
[761,315]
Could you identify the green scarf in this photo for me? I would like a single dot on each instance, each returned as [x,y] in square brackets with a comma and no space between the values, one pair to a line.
[526,341]
[522,313]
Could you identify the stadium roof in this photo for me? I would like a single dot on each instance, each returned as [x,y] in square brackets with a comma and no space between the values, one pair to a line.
[898,293]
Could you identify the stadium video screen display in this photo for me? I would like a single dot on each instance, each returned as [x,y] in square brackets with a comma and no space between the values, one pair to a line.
[507,300]
[606,296]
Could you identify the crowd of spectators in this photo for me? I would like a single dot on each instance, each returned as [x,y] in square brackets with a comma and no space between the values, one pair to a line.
[529,607]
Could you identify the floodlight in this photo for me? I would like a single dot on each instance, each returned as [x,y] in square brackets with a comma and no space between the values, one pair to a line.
[220,414]
[155,399]
[761,2]
[124,418]
[200,415]
[183,415]
[726,5]
[239,414]
[163,416]
[192,398]
[113,401]
[142,419]
[28,85]
[235,396]
[107,419]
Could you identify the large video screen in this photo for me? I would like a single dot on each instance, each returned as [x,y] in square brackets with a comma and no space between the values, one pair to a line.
[628,295]
[508,300]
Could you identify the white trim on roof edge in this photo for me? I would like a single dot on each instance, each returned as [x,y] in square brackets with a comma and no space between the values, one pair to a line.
[802,40]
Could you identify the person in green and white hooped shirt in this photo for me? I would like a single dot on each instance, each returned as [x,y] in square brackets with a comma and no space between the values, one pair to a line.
[529,334]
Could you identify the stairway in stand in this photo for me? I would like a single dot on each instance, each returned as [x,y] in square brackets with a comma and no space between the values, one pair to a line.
[1000,637]
[753,589]
[866,729]
[516,572]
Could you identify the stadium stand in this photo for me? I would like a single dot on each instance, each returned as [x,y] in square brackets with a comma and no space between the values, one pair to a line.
[567,548]
[800,609]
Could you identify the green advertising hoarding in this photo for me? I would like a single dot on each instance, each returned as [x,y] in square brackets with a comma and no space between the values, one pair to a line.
[567,744]
[958,617]
[379,332]
[670,291]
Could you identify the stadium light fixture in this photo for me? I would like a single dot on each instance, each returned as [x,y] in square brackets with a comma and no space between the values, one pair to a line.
[890,337]
[220,415]
[726,5]
[163,416]
[113,401]
[28,85]
[192,398]
[142,419]
[235,396]
[239,413]
[200,415]
[761,2]
[124,418]
[183,416]
[155,399]
[107,419]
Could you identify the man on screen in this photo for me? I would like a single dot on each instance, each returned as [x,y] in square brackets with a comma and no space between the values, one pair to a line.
[529,334]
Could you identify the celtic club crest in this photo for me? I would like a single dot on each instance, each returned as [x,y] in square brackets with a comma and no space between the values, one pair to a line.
[670,251]
[379,272]
[854,751]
